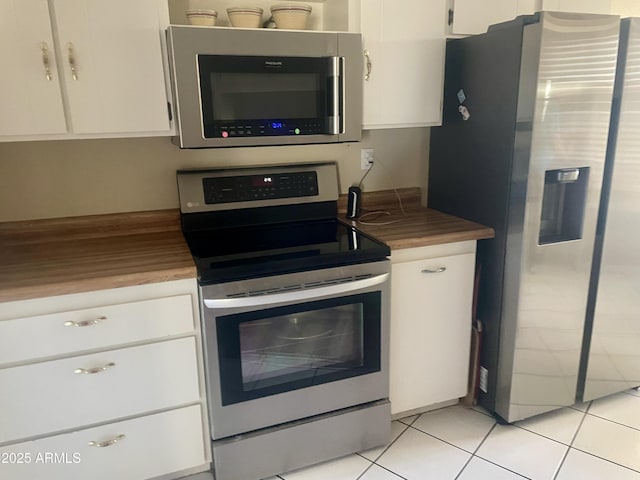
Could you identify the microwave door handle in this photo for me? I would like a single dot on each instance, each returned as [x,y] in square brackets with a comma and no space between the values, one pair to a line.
[336,117]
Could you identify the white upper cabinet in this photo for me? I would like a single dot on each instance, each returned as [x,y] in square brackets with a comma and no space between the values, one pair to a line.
[404,41]
[30,84]
[105,68]
[470,17]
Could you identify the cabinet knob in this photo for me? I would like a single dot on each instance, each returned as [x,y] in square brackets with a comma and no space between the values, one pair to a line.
[437,270]
[91,371]
[85,323]
[107,443]
[44,48]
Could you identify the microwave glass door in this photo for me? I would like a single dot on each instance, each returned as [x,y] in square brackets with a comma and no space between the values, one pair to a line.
[266,96]
[286,348]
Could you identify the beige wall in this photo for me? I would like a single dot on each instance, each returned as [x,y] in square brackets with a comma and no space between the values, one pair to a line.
[83,177]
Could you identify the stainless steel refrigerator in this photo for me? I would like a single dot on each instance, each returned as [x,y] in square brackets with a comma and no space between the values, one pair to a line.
[611,346]
[522,149]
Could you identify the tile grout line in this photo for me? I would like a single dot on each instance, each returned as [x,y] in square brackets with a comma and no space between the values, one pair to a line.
[366,469]
[613,421]
[489,461]
[390,471]
[406,427]
[587,412]
[373,462]
[473,454]
[573,438]
[606,460]
[502,467]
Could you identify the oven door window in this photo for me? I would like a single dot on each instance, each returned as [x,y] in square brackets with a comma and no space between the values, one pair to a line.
[286,348]
[265,96]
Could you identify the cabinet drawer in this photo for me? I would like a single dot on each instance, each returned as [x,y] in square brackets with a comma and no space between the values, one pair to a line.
[51,396]
[104,326]
[154,445]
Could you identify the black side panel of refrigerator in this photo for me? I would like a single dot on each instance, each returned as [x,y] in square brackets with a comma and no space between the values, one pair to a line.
[470,160]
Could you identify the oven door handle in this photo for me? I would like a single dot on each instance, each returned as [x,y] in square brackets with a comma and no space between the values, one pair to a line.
[296,295]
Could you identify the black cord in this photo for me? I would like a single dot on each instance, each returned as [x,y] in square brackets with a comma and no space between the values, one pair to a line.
[365,174]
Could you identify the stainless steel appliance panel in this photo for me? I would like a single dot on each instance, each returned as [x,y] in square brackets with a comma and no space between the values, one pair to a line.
[614,353]
[299,444]
[192,194]
[186,43]
[227,299]
[549,250]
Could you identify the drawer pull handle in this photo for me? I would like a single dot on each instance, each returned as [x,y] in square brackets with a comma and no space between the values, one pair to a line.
[85,323]
[107,443]
[437,270]
[91,371]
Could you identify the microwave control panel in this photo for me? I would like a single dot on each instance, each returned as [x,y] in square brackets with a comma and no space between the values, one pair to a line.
[269,128]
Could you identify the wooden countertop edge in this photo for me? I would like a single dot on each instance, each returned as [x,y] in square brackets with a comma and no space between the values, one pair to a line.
[415,225]
[430,240]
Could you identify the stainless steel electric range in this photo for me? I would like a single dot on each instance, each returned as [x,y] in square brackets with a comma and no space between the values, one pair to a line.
[295,318]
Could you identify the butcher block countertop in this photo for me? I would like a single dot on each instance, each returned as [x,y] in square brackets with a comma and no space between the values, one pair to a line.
[42,258]
[410,225]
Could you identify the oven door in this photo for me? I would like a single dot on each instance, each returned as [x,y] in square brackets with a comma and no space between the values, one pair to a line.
[294,346]
[259,96]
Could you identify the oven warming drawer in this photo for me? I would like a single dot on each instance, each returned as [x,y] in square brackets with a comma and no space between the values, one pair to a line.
[299,444]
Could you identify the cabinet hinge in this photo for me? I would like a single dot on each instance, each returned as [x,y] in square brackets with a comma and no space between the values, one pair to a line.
[450,17]
[169,111]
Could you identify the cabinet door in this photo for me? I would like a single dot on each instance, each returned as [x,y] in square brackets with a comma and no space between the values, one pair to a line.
[472,17]
[112,61]
[31,101]
[405,43]
[430,330]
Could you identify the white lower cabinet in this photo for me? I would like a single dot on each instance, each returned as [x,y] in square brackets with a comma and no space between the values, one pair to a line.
[141,448]
[103,385]
[431,299]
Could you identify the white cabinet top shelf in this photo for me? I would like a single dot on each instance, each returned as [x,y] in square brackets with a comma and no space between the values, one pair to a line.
[328,15]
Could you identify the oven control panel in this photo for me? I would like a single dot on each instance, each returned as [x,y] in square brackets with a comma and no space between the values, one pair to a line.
[245,188]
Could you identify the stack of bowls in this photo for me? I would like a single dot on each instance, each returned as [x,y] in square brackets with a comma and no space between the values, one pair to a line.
[245,17]
[201,17]
[292,16]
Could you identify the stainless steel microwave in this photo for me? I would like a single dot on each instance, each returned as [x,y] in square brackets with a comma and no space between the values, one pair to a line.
[246,87]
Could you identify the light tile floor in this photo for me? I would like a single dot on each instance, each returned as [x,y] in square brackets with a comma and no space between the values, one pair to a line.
[598,440]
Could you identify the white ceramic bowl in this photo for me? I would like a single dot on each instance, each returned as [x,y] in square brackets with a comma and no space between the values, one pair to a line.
[203,18]
[292,16]
[245,17]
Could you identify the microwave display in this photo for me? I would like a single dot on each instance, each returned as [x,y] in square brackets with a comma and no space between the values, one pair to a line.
[266,96]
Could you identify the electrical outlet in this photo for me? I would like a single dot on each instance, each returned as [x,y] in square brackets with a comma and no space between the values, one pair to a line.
[366,158]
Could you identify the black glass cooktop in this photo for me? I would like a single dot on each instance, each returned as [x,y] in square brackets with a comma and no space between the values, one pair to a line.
[224,255]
